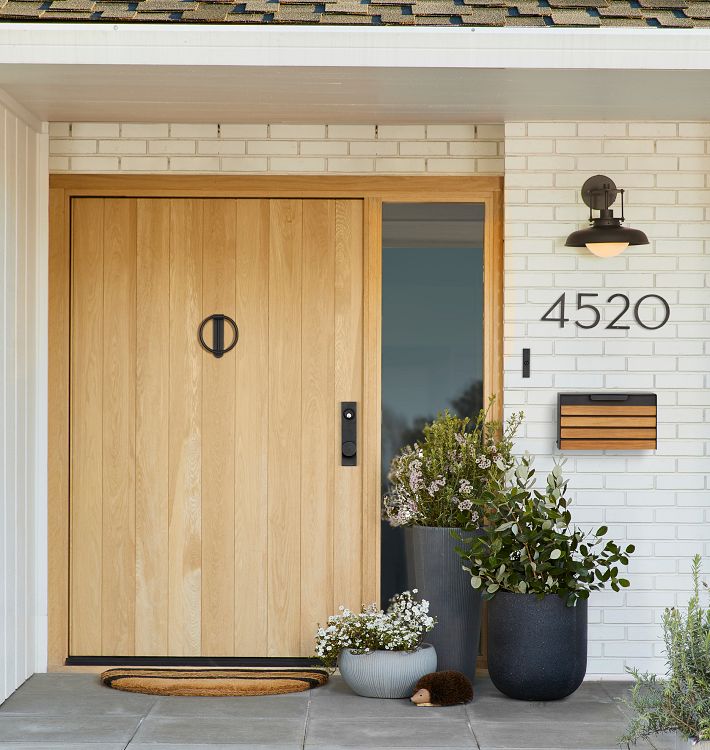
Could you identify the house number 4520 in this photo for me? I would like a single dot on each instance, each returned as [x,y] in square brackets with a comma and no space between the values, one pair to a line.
[585,300]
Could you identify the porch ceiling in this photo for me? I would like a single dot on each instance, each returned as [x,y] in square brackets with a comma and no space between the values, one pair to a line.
[294,75]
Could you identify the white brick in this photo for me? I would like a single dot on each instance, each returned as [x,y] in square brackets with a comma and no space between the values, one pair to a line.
[547,163]
[353,165]
[490,166]
[694,163]
[173,146]
[694,130]
[301,164]
[602,129]
[94,163]
[655,163]
[494,132]
[245,164]
[351,132]
[180,130]
[72,147]
[456,132]
[230,148]
[297,132]
[683,146]
[244,132]
[279,148]
[399,165]
[95,130]
[653,129]
[531,146]
[58,164]
[59,130]
[401,132]
[144,163]
[552,129]
[122,146]
[602,164]
[144,130]
[578,146]
[194,163]
[515,130]
[473,148]
[628,146]
[324,148]
[373,148]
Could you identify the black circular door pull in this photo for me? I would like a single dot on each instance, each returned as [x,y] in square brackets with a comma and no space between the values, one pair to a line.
[217,349]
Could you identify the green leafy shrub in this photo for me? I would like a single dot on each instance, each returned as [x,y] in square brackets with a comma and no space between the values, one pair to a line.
[443,480]
[530,545]
[681,702]
[400,628]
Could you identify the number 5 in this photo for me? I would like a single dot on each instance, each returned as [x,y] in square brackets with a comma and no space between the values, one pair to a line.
[580,306]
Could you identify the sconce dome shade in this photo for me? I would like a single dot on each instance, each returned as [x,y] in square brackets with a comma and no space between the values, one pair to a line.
[606,234]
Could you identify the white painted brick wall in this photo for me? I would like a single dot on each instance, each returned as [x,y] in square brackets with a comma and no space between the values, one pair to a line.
[658,500]
[258,149]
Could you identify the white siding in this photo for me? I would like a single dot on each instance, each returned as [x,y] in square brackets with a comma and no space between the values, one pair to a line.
[23,332]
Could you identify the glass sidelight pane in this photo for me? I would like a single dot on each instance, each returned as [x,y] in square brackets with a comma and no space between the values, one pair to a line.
[432,332]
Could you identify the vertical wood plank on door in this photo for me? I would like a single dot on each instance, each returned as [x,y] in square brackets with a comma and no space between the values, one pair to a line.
[251,435]
[218,404]
[58,455]
[185,408]
[285,238]
[152,423]
[86,424]
[119,385]
[317,408]
[371,412]
[347,532]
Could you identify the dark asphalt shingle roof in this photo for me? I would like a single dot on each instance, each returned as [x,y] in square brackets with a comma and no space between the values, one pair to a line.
[516,13]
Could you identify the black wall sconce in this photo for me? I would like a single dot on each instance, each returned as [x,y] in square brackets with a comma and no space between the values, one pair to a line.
[605,237]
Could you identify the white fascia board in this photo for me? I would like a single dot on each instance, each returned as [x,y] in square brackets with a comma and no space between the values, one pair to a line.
[347,47]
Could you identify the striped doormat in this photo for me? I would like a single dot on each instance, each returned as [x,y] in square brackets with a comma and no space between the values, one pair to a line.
[215,682]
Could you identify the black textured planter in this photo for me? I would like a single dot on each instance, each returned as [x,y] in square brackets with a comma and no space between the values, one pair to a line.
[537,648]
[434,568]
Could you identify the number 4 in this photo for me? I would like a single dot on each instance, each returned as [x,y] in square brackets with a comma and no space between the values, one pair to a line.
[560,301]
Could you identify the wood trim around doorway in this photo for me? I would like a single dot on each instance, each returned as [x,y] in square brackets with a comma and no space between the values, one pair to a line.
[373,190]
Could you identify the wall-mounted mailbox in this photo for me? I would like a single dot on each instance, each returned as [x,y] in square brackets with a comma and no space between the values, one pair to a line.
[606,421]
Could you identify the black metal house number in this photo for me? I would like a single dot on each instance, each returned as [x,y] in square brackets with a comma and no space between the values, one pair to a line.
[556,313]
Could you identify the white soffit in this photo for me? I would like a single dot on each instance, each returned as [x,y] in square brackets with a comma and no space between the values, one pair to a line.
[316,74]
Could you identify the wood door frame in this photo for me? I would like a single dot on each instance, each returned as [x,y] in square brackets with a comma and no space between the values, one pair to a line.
[373,190]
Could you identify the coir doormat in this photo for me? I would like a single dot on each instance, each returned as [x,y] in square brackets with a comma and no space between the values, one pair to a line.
[214,682]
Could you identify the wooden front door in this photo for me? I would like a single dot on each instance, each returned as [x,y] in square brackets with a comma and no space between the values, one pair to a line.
[210,514]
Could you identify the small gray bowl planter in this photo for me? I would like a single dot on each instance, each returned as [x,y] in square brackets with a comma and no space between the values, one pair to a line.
[436,571]
[386,674]
[537,648]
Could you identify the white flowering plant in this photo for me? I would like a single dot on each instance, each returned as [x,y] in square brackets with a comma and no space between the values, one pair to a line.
[443,480]
[399,628]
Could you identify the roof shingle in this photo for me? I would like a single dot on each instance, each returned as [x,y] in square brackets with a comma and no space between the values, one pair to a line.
[516,13]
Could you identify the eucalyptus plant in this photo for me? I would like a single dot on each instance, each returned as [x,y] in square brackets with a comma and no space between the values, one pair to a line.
[681,702]
[443,480]
[530,545]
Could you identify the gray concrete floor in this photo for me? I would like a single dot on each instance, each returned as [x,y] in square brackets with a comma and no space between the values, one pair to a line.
[61,711]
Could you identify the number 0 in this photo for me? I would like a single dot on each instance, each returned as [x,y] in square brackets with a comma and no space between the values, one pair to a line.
[666,308]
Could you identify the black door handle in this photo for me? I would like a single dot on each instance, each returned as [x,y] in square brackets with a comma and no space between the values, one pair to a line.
[217,348]
[348,433]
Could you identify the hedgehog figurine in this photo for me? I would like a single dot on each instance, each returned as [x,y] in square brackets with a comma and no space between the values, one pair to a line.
[446,688]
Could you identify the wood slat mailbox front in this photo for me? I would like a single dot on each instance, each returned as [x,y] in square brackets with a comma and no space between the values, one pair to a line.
[601,421]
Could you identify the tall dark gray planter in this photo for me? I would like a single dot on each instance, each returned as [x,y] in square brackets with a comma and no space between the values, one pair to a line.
[434,568]
[537,648]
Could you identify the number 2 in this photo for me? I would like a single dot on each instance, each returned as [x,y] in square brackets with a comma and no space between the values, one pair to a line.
[627,302]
